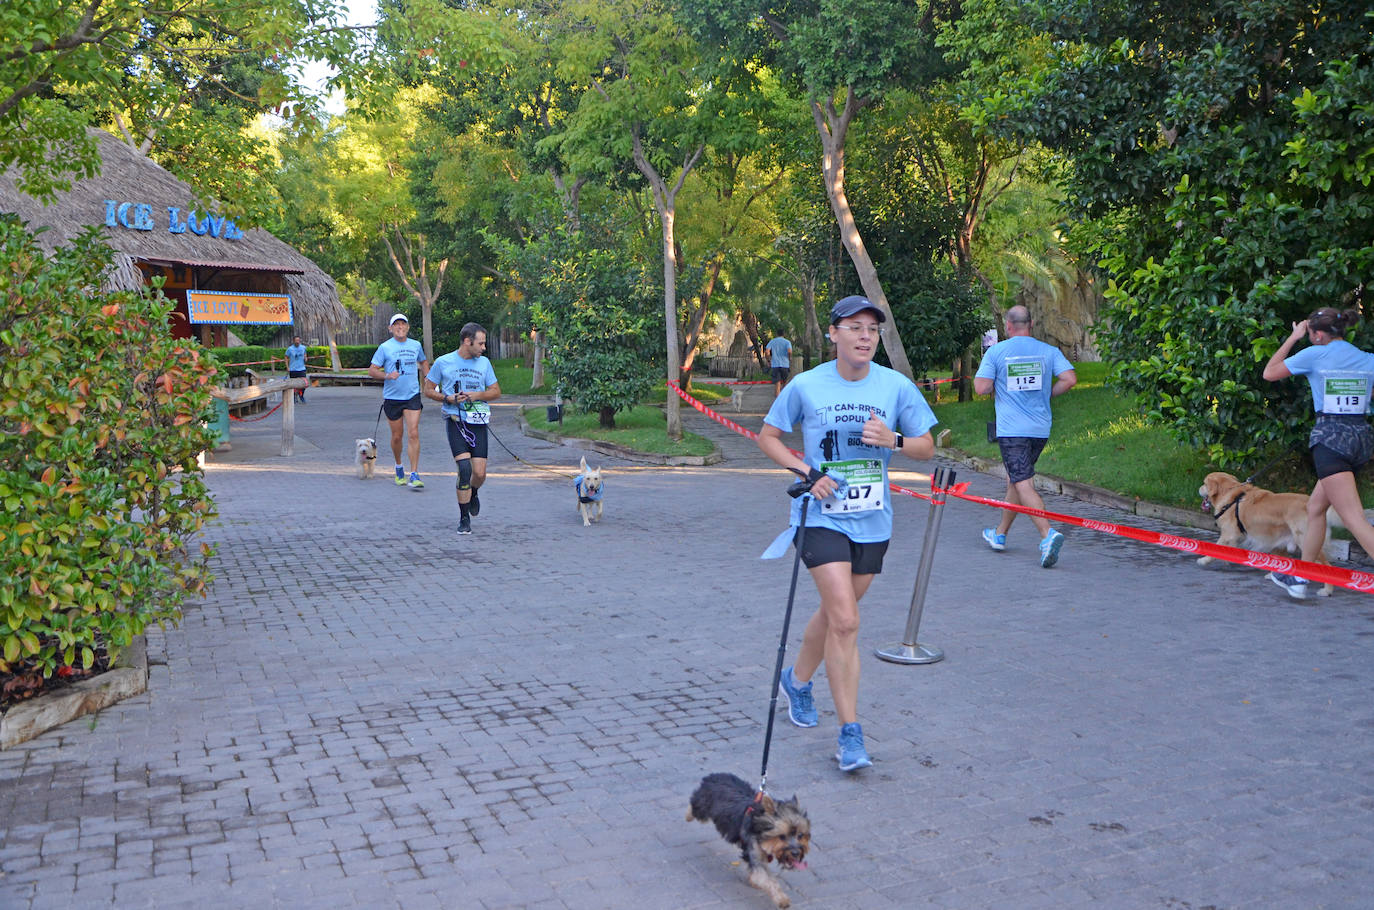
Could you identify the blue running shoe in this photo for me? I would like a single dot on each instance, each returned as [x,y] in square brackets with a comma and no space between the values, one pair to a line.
[1049,549]
[400,476]
[801,708]
[415,482]
[852,755]
[1295,586]
[996,541]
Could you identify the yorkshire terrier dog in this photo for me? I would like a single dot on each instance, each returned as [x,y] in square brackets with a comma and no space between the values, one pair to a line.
[762,828]
[364,457]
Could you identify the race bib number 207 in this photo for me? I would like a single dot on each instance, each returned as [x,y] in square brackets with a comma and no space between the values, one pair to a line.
[867,486]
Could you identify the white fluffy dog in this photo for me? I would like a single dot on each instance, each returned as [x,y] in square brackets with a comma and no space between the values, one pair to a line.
[365,457]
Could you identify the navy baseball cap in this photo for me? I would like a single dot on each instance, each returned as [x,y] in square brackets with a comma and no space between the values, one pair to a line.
[852,304]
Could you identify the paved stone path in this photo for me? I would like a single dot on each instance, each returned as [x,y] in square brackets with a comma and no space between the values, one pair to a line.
[369,711]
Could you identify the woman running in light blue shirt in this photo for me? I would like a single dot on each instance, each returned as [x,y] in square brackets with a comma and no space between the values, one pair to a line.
[1340,375]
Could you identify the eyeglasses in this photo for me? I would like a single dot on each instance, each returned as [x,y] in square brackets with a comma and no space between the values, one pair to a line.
[860,330]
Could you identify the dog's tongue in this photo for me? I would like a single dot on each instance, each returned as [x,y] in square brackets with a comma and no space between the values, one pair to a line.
[799,864]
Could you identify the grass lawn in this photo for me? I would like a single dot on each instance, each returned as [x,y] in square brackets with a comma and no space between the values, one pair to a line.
[642,428]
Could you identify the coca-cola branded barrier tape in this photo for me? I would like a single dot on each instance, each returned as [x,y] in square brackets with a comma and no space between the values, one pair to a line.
[1344,578]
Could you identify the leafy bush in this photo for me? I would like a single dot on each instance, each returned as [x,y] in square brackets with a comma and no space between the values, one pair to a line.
[101,421]
[599,310]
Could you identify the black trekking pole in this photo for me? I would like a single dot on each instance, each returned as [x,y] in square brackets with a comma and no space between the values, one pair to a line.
[801,488]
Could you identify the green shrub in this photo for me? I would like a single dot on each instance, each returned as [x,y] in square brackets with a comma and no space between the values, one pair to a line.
[101,421]
[237,361]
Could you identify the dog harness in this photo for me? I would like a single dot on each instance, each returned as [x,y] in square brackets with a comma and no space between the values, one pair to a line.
[1235,503]
[583,497]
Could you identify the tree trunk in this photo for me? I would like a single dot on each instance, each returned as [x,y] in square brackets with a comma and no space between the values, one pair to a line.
[334,363]
[833,127]
[606,417]
[537,336]
[665,200]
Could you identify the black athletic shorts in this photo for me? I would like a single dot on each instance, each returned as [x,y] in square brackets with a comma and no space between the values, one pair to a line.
[296,374]
[394,407]
[1328,461]
[1019,455]
[779,374]
[459,445]
[824,545]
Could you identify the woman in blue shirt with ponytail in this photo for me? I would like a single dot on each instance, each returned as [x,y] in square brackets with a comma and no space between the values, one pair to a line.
[1340,375]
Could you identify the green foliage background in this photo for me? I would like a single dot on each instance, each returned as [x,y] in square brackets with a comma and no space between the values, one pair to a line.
[101,422]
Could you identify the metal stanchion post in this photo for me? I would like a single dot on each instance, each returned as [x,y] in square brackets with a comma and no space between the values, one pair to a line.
[908,650]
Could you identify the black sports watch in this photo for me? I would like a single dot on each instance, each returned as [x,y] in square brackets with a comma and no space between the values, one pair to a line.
[900,439]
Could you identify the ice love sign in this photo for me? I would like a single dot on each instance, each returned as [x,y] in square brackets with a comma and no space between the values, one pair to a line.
[138,216]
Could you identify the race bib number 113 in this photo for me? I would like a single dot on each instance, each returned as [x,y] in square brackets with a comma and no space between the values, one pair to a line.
[1345,395]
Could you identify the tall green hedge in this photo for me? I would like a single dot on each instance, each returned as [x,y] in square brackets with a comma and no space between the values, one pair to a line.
[102,416]
[351,357]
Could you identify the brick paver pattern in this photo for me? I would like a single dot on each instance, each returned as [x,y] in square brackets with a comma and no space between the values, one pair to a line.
[370,711]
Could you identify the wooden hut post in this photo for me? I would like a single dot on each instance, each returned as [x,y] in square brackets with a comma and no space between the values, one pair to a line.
[288,421]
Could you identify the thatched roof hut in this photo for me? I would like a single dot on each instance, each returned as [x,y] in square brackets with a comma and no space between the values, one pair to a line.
[146,216]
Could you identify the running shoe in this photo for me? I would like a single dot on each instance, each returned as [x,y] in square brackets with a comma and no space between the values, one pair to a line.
[400,476]
[852,755]
[1049,549]
[997,541]
[1295,586]
[801,708]
[474,505]
[464,525]
[415,482]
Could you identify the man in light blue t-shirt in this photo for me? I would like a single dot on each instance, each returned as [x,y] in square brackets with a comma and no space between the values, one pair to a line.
[464,382]
[400,361]
[780,351]
[295,364]
[1023,374]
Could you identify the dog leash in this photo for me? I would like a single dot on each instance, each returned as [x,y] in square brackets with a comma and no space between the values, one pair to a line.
[801,488]
[492,433]
[1273,461]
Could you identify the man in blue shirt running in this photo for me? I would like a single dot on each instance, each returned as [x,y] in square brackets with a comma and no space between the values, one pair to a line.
[295,364]
[1023,374]
[400,361]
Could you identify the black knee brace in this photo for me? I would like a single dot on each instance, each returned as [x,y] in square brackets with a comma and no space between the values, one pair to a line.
[465,473]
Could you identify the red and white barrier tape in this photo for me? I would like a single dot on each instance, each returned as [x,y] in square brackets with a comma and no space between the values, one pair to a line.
[1345,578]
[1318,572]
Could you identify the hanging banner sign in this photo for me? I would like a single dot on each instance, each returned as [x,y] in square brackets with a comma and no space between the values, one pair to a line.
[238,308]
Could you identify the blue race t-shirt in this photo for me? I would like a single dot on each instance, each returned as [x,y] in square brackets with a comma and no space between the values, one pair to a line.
[781,351]
[1339,374]
[832,412]
[405,357]
[1023,370]
[295,357]
[453,373]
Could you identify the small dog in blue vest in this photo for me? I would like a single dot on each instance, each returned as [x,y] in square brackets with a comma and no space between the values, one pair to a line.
[589,493]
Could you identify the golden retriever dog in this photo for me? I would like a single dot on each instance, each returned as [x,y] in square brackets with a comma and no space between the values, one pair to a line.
[1257,519]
